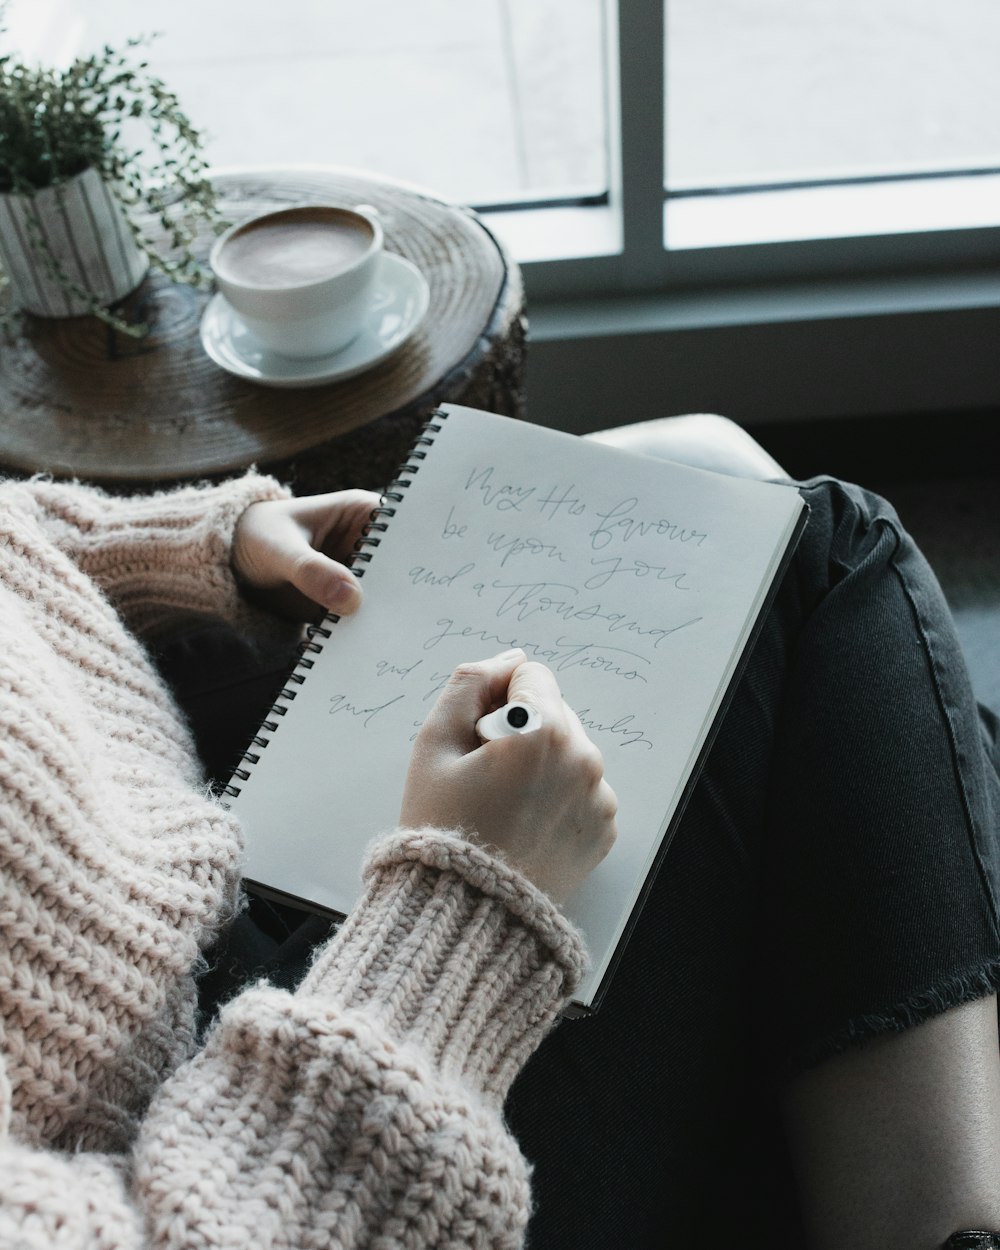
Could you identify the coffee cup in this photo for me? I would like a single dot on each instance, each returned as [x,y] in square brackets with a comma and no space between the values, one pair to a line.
[301,279]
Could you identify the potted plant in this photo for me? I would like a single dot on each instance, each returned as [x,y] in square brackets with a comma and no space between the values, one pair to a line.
[101,174]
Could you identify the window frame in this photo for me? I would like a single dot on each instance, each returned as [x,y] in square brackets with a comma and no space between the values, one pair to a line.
[599,275]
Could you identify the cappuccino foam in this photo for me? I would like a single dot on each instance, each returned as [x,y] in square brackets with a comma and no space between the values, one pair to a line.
[294,249]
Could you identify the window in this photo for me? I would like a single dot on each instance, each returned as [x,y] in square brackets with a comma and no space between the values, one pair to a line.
[884,113]
[666,170]
[485,101]
[799,297]
[792,91]
[765,120]
[794,120]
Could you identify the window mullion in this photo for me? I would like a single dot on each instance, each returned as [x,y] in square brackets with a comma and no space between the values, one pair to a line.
[637,95]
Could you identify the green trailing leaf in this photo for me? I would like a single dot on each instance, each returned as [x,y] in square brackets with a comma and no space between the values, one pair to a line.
[54,124]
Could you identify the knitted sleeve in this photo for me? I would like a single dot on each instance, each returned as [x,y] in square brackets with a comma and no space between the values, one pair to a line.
[365,1109]
[161,558]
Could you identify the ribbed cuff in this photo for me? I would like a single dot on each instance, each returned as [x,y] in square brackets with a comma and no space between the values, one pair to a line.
[456,952]
[161,557]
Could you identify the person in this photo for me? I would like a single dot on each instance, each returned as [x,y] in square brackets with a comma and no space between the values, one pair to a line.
[815,970]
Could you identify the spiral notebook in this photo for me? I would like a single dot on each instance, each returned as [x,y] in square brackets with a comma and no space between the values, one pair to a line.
[640,582]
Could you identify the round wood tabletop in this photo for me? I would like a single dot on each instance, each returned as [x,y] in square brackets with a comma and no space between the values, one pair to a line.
[79,399]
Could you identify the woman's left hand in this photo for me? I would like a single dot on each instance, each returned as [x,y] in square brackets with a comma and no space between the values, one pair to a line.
[290,553]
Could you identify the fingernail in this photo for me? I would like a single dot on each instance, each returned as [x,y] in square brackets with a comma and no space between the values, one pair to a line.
[509,655]
[345,595]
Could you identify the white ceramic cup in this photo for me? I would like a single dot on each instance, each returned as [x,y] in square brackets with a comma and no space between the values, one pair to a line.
[301,279]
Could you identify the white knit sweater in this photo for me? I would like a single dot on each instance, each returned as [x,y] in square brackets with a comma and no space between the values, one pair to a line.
[363,1110]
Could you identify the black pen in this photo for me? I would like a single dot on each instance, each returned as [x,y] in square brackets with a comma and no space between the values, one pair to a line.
[507,721]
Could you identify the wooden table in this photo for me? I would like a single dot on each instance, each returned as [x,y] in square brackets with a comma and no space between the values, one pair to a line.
[80,400]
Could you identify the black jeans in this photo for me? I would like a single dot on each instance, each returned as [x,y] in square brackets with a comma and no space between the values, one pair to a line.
[836,875]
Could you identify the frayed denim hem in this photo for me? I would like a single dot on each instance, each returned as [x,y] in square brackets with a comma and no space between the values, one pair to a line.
[964,987]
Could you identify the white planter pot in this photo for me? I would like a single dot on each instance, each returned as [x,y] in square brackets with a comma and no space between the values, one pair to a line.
[82,226]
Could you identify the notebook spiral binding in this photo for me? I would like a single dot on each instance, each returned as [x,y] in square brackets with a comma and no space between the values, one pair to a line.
[363,552]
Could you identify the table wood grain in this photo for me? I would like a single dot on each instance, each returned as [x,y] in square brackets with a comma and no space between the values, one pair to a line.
[78,399]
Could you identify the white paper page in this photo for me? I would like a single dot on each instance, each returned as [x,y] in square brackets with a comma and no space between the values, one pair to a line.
[636,580]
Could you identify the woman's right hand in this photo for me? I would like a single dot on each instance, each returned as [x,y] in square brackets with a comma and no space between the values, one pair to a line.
[540,799]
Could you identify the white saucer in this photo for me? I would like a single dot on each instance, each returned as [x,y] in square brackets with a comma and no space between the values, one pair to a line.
[401,299]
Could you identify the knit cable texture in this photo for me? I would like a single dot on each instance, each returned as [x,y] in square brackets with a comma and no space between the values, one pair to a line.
[162,558]
[456,952]
[362,1110]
